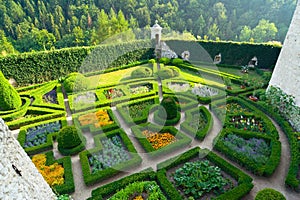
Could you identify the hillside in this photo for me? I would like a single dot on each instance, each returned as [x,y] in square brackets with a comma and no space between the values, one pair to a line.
[41,25]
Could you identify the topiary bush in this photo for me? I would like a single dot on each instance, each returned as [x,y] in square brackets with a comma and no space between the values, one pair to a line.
[70,140]
[9,97]
[165,61]
[75,82]
[170,108]
[268,193]
[177,61]
[141,72]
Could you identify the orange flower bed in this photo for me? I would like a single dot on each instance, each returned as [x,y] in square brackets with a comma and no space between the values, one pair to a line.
[99,119]
[53,174]
[159,140]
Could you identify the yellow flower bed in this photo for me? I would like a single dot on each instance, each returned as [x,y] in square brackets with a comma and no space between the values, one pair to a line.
[53,174]
[159,140]
[99,119]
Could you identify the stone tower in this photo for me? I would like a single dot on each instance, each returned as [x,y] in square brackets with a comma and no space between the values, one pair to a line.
[19,178]
[286,74]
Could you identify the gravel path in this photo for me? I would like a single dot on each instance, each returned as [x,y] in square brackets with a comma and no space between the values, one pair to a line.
[276,181]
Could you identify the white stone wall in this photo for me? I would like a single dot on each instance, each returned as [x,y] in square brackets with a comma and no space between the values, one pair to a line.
[286,74]
[31,185]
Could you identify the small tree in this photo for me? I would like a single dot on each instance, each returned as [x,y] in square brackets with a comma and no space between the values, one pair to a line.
[9,97]
[169,104]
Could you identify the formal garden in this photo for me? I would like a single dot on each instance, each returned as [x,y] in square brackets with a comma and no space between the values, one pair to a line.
[138,129]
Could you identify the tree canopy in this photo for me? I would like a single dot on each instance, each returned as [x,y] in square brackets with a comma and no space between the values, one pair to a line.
[33,25]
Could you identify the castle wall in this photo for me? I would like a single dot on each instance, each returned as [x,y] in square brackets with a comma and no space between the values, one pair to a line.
[286,74]
[29,184]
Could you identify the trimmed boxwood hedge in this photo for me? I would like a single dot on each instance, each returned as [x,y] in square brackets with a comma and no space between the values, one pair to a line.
[70,140]
[265,170]
[106,191]
[12,115]
[93,178]
[269,193]
[68,187]
[91,127]
[291,179]
[121,108]
[46,114]
[182,140]
[49,143]
[244,181]
[31,68]
[198,134]
[164,121]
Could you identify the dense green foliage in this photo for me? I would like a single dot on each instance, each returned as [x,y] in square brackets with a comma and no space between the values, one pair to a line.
[170,108]
[9,97]
[70,140]
[75,82]
[42,25]
[141,72]
[269,193]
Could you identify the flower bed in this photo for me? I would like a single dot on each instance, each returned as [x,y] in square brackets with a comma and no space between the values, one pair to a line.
[234,108]
[198,178]
[259,153]
[159,140]
[155,142]
[98,119]
[135,110]
[254,149]
[53,174]
[37,135]
[85,98]
[198,122]
[178,87]
[140,191]
[113,153]
[51,97]
[201,174]
[248,123]
[141,89]
[204,91]
[113,93]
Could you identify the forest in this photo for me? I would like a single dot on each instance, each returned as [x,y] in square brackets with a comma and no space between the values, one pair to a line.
[37,25]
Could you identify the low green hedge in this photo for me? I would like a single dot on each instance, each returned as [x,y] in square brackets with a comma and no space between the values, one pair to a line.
[265,170]
[182,140]
[107,190]
[49,143]
[122,109]
[93,178]
[68,187]
[12,115]
[200,133]
[164,121]
[244,181]
[91,127]
[45,114]
[291,180]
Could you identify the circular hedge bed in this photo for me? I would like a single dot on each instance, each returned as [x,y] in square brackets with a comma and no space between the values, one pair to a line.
[141,72]
[269,194]
[75,82]
[70,140]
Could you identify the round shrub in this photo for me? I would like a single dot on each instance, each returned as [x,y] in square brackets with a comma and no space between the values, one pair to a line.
[151,61]
[75,82]
[141,72]
[70,140]
[170,107]
[268,194]
[9,97]
[165,61]
[177,61]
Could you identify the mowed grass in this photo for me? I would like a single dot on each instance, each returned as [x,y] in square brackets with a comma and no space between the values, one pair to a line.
[111,78]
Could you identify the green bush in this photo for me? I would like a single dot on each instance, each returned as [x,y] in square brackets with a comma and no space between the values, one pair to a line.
[170,108]
[165,61]
[141,72]
[70,140]
[269,193]
[177,61]
[75,82]
[9,97]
